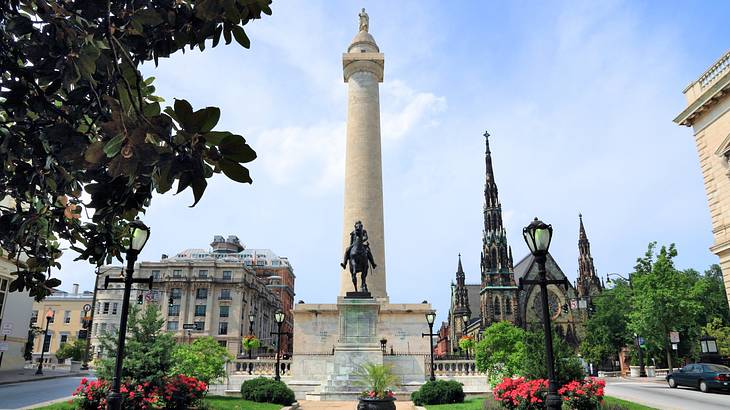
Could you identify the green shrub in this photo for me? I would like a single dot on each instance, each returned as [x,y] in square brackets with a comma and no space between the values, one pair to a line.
[264,390]
[439,392]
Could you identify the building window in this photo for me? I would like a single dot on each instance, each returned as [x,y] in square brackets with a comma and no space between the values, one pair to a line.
[155,274]
[176,293]
[508,306]
[260,263]
[199,310]
[223,328]
[103,328]
[201,293]
[115,305]
[200,326]
[248,263]
[225,294]
[98,308]
[64,339]
[47,342]
[224,311]
[173,310]
[227,275]
[66,316]
[497,309]
[223,343]
[106,308]
[177,273]
[203,273]
[171,326]
[34,317]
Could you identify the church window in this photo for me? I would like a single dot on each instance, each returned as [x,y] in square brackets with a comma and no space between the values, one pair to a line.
[508,306]
[497,308]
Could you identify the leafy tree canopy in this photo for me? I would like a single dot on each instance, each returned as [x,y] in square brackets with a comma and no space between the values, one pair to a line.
[203,359]
[607,329]
[80,127]
[74,350]
[567,365]
[721,332]
[501,351]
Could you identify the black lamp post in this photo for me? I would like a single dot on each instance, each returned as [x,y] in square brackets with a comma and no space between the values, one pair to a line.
[250,330]
[465,319]
[538,235]
[49,317]
[642,370]
[279,318]
[138,235]
[430,318]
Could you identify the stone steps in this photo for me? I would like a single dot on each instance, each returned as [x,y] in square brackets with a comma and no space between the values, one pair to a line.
[348,405]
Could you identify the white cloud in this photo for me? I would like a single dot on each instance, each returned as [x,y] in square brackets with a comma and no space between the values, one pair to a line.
[408,109]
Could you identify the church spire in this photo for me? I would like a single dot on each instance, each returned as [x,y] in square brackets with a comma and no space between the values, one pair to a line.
[461,295]
[587,279]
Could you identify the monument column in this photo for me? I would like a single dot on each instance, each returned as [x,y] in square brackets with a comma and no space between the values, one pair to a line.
[362,66]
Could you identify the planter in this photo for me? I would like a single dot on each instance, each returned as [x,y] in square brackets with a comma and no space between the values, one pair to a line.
[651,371]
[634,371]
[376,404]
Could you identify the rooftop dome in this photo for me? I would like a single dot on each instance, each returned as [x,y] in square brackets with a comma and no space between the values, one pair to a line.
[363,41]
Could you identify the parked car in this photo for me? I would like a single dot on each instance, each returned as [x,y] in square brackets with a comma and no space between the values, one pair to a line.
[704,376]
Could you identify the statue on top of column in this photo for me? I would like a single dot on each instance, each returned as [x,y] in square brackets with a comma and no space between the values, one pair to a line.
[364,20]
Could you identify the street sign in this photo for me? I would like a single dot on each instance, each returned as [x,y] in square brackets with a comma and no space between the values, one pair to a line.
[674,346]
[87,307]
[7,328]
[674,337]
[4,346]
[190,326]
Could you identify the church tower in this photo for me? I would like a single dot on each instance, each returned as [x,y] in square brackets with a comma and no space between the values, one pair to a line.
[461,295]
[499,290]
[588,283]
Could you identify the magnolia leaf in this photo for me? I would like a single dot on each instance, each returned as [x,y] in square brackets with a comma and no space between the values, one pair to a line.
[184,113]
[114,145]
[216,137]
[235,171]
[234,147]
[204,120]
[95,152]
[240,35]
[199,186]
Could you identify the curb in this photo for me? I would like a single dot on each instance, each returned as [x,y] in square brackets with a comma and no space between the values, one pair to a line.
[42,378]
[47,403]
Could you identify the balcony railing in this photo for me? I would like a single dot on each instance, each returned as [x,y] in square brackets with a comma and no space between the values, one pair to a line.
[716,71]
[259,366]
[461,367]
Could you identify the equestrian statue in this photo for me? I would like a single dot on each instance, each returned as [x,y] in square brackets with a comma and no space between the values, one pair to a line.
[359,256]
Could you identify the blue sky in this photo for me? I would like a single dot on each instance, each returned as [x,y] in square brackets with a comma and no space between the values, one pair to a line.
[579,98]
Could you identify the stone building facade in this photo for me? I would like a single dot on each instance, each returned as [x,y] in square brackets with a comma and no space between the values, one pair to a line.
[708,113]
[216,289]
[66,325]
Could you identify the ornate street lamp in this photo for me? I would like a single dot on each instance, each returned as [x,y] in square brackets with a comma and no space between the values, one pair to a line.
[251,317]
[538,236]
[138,235]
[49,317]
[642,369]
[430,318]
[279,318]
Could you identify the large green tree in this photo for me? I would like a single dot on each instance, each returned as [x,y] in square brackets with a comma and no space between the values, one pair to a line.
[607,328]
[76,115]
[663,300]
[567,365]
[501,351]
[147,350]
[203,359]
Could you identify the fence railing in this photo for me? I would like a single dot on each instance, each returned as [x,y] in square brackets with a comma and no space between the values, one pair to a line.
[461,367]
[714,72]
[259,367]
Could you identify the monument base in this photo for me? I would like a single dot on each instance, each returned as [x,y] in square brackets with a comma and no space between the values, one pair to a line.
[358,295]
[332,342]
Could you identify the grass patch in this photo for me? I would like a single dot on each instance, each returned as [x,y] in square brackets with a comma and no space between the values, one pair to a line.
[613,402]
[237,403]
[470,404]
[57,406]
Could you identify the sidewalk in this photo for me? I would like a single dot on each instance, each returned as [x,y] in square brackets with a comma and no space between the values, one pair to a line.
[28,375]
[348,405]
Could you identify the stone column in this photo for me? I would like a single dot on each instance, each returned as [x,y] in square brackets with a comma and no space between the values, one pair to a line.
[363,70]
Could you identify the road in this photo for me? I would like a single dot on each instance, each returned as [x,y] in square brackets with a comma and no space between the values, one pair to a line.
[18,395]
[660,396]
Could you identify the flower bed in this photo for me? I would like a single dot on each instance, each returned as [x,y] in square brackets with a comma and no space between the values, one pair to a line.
[531,394]
[173,392]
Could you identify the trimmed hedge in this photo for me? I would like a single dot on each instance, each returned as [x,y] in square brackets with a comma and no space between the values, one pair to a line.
[438,392]
[264,390]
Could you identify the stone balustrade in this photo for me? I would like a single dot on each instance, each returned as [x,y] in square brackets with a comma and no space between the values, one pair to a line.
[259,367]
[451,368]
[714,72]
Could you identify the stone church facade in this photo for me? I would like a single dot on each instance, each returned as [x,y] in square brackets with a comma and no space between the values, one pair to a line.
[498,297]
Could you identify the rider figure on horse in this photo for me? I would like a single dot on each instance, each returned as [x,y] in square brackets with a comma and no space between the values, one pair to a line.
[353,236]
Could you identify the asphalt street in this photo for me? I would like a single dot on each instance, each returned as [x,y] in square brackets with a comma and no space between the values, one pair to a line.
[660,396]
[19,395]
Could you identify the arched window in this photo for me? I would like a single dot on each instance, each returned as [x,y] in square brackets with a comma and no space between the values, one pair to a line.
[497,307]
[508,305]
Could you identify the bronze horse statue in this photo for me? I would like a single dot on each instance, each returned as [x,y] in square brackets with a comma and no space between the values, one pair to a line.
[359,257]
